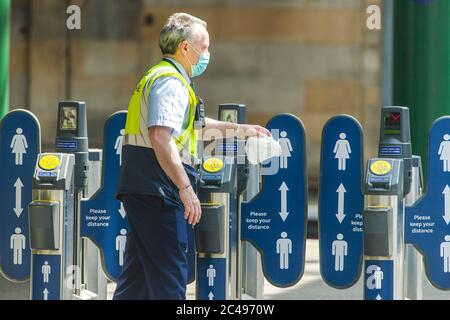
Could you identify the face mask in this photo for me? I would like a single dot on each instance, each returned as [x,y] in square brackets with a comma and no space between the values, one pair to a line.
[200,67]
[202,64]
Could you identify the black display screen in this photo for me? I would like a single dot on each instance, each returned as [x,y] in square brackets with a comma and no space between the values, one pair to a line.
[230,115]
[392,123]
[68,119]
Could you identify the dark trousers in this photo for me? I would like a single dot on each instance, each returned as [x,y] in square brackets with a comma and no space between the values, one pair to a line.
[155,262]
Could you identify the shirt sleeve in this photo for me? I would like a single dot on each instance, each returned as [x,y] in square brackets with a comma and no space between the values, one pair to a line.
[168,102]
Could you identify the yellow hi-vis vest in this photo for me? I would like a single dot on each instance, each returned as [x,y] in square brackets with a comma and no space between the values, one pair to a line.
[138,108]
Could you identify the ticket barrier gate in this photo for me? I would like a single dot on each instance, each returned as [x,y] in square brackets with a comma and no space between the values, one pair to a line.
[392,182]
[218,244]
[215,271]
[227,268]
[76,274]
[383,228]
[52,235]
[249,278]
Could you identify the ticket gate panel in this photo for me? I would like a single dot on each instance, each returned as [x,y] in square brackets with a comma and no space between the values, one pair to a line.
[383,229]
[47,285]
[378,279]
[217,181]
[212,278]
[275,221]
[341,202]
[20,143]
[51,215]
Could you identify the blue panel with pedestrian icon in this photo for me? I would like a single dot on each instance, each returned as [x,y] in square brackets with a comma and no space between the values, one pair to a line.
[275,220]
[20,144]
[379,280]
[341,202]
[103,217]
[211,279]
[46,282]
[427,223]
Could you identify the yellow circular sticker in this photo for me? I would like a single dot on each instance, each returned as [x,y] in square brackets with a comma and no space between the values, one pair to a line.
[213,165]
[49,163]
[380,168]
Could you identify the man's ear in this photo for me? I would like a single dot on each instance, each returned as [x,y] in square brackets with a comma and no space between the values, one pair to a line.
[184,46]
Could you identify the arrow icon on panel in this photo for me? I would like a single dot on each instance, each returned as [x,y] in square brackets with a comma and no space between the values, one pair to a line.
[45,292]
[341,193]
[18,209]
[211,296]
[446,194]
[284,190]
[122,211]
[379,297]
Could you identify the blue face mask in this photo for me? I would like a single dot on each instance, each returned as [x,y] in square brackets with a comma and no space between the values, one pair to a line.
[203,62]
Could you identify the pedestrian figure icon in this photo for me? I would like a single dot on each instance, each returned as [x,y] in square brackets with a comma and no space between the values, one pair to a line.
[17,245]
[286,149]
[211,275]
[46,270]
[121,241]
[118,146]
[378,278]
[342,151]
[284,249]
[339,251]
[374,281]
[445,253]
[19,146]
[444,153]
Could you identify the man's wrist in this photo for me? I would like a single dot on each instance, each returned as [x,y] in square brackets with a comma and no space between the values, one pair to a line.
[185,187]
[238,129]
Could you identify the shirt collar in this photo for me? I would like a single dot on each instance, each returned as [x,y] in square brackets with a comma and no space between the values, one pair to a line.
[181,69]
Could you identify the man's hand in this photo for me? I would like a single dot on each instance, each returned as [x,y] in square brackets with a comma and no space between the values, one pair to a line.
[192,209]
[230,130]
[248,130]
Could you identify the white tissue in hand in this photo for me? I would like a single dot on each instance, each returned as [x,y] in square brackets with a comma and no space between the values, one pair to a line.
[260,149]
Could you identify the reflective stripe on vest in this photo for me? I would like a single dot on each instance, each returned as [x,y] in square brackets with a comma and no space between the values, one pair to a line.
[162,69]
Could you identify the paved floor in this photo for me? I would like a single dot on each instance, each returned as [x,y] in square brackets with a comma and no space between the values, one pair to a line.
[312,287]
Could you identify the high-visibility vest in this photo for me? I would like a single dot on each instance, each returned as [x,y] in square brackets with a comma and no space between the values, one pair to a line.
[139,101]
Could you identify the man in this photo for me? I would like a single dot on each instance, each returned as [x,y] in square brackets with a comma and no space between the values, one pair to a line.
[157,183]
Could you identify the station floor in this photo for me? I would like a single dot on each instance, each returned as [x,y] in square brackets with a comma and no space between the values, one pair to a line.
[312,287]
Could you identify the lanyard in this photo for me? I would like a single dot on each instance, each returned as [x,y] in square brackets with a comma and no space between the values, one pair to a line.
[176,67]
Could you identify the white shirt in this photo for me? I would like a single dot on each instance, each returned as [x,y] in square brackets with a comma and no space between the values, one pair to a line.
[168,102]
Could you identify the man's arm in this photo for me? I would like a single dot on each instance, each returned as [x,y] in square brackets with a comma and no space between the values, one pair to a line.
[230,130]
[169,159]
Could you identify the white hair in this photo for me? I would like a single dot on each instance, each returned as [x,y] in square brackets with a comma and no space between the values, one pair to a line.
[179,27]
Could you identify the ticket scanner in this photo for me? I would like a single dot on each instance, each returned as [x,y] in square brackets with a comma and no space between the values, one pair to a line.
[60,181]
[227,268]
[389,179]
[51,220]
